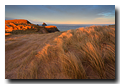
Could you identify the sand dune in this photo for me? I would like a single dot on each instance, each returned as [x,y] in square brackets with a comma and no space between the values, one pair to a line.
[83,53]
[23,48]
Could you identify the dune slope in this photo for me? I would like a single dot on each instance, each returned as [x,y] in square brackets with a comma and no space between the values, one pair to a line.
[21,49]
[83,53]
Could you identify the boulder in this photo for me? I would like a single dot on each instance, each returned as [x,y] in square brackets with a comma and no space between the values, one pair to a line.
[51,28]
[44,24]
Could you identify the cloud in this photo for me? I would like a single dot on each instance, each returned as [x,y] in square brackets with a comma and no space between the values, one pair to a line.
[107,14]
[59,13]
[102,19]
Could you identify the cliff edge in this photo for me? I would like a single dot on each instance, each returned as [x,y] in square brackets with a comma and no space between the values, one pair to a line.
[22,25]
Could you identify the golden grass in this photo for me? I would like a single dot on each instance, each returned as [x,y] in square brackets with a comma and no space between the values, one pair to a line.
[20,50]
[83,53]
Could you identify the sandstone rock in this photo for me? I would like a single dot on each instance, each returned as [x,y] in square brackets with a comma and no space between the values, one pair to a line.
[7,26]
[17,21]
[9,29]
[12,24]
[20,24]
[44,24]
[51,28]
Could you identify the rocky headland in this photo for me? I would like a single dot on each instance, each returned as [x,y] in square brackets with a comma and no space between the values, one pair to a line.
[21,25]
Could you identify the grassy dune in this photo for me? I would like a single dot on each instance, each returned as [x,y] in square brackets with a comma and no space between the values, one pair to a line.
[83,53]
[21,49]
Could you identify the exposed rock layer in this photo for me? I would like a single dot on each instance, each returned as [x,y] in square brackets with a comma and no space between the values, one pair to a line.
[21,24]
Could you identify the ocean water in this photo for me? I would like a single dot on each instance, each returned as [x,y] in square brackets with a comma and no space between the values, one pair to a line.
[64,27]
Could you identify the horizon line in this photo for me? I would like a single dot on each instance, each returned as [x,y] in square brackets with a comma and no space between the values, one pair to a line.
[58,23]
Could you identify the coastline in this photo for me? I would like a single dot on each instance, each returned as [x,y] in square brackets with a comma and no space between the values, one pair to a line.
[64,27]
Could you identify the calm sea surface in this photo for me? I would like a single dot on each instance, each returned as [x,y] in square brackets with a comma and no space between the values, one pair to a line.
[64,27]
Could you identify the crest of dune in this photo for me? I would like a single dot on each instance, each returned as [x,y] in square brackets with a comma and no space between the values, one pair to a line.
[83,53]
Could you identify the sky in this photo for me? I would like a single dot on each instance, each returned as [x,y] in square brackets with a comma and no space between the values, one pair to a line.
[62,14]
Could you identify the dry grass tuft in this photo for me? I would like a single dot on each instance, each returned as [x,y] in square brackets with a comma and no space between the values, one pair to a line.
[83,53]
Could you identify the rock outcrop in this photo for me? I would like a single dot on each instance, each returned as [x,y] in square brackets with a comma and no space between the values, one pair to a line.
[44,24]
[21,24]
[17,21]
[51,28]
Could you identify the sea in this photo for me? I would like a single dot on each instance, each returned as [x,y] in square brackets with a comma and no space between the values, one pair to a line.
[65,27]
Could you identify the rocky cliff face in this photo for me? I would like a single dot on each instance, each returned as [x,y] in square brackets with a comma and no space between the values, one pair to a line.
[51,28]
[17,21]
[44,24]
[21,24]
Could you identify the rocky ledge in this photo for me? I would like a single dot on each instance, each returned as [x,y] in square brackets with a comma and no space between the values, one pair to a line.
[21,24]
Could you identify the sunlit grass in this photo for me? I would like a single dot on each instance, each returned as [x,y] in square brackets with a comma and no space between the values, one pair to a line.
[20,51]
[83,53]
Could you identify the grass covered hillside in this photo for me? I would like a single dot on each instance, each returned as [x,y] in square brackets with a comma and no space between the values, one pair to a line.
[83,53]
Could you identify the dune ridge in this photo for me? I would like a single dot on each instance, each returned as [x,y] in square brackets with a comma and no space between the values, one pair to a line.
[83,53]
